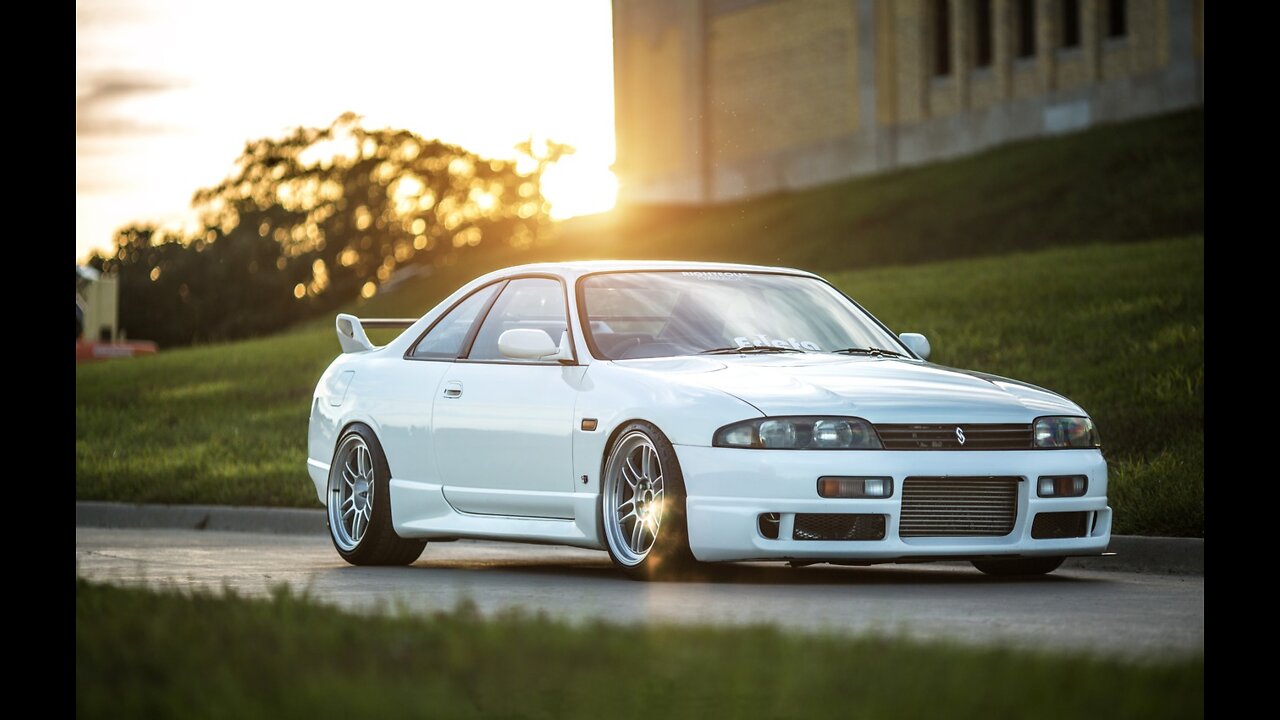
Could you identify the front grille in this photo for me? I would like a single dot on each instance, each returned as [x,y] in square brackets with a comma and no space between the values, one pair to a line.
[1060,525]
[945,437]
[958,506]
[838,526]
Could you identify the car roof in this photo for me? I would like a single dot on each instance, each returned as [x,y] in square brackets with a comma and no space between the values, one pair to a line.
[571,270]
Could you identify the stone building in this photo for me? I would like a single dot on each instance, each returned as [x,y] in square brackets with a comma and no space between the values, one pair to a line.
[724,99]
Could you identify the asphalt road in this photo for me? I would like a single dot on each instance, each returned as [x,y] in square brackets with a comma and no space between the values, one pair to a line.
[1115,613]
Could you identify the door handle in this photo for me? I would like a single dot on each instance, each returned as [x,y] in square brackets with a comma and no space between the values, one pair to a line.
[453,389]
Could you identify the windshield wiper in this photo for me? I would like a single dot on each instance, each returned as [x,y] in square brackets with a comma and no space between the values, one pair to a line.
[870,351]
[748,349]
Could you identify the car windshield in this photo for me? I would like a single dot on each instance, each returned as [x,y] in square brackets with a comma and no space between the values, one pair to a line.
[662,314]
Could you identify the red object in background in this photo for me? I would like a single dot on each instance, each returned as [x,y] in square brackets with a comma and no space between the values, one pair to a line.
[89,351]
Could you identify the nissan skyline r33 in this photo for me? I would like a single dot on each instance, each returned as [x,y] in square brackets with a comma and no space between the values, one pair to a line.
[672,413]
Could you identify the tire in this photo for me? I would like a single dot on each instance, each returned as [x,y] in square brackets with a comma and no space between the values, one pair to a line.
[358,503]
[645,526]
[1019,566]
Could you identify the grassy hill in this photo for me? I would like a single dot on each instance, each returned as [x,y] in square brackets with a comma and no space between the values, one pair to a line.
[1117,183]
[1053,291]
[1122,183]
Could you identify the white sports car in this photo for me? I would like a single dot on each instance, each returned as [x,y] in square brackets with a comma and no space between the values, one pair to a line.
[671,412]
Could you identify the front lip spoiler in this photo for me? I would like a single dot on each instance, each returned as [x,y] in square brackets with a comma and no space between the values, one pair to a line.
[918,559]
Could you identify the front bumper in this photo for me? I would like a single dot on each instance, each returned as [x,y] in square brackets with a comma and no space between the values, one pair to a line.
[729,488]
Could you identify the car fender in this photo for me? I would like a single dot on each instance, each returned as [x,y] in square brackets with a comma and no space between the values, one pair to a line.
[613,396]
[335,405]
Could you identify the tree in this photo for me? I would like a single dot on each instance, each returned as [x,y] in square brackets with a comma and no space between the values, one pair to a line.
[309,221]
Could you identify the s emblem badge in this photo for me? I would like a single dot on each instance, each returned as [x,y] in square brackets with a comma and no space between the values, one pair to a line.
[960,435]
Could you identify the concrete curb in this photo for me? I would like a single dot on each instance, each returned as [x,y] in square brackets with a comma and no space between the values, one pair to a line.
[1164,555]
[279,521]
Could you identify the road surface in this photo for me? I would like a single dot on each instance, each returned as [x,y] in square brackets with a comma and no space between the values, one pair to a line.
[1113,613]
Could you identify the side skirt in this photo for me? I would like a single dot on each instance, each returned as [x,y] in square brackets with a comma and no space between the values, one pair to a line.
[421,510]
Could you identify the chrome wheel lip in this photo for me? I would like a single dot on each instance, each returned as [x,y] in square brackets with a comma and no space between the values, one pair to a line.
[350,493]
[633,498]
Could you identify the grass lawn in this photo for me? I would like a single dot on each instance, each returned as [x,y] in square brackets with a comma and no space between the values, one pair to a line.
[1118,328]
[144,654]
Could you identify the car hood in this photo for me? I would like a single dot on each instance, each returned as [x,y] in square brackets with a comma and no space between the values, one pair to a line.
[881,390]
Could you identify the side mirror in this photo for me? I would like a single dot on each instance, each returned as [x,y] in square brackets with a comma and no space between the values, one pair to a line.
[917,343]
[533,344]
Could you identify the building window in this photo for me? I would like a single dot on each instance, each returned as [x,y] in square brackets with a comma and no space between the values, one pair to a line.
[941,38]
[1070,23]
[1026,26]
[1117,18]
[982,33]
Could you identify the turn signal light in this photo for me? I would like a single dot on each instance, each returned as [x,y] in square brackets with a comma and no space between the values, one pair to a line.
[855,487]
[1063,485]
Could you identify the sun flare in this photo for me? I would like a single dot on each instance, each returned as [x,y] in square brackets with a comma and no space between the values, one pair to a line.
[577,186]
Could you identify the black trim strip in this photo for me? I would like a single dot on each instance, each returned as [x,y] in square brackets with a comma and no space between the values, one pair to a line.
[408,354]
[388,323]
[474,330]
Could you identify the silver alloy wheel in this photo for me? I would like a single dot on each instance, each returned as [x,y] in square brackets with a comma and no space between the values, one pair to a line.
[351,493]
[633,498]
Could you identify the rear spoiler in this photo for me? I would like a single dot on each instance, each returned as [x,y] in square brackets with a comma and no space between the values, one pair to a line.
[351,334]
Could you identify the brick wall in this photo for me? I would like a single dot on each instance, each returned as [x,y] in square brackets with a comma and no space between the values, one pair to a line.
[719,99]
[781,74]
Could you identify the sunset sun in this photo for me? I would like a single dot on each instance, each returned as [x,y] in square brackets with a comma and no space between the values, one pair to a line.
[576,187]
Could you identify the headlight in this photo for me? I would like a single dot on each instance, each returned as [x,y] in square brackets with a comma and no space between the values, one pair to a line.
[799,433]
[1065,432]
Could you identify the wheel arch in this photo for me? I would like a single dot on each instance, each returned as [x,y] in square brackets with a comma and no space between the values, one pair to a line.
[613,438]
[369,425]
[351,423]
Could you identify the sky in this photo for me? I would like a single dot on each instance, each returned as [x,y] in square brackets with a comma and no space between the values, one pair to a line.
[168,91]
